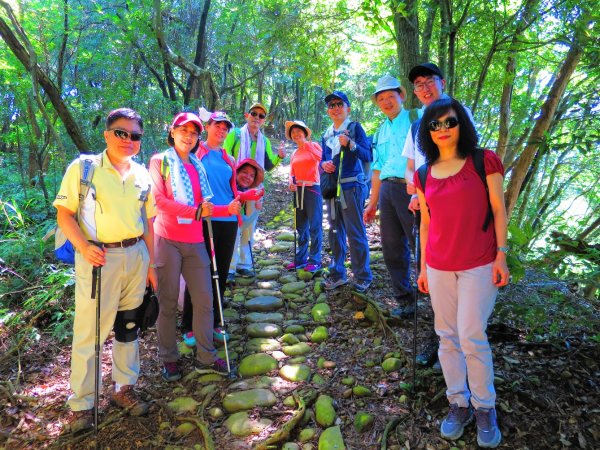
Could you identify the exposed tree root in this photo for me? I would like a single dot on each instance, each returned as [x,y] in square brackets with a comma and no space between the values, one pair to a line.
[391,425]
[284,432]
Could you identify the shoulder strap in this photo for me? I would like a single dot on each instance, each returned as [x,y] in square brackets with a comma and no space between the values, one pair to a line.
[164,167]
[352,129]
[87,164]
[414,128]
[422,171]
[478,156]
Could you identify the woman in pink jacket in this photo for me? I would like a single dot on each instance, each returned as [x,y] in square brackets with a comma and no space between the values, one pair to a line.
[181,189]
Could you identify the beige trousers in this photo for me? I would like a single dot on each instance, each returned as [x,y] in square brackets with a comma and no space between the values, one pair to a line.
[123,285]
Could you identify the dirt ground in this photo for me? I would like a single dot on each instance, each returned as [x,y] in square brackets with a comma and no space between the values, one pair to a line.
[548,391]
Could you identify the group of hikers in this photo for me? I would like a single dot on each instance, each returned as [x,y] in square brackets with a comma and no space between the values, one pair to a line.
[193,214]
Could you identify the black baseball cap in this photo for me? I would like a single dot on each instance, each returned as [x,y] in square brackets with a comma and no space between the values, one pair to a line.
[424,69]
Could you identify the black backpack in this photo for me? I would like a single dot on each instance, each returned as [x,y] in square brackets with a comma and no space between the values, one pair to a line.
[480,169]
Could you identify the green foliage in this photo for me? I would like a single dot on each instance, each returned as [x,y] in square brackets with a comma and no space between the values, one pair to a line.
[547,314]
[35,294]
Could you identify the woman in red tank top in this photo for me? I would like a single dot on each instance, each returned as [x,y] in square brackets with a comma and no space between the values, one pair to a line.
[463,263]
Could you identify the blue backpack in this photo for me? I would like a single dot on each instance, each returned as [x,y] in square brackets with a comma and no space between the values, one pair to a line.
[63,248]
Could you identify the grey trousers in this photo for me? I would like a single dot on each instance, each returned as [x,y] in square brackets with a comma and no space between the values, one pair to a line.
[190,260]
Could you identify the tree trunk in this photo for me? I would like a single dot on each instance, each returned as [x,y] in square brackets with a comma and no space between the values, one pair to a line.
[538,133]
[20,51]
[432,8]
[192,88]
[509,78]
[406,27]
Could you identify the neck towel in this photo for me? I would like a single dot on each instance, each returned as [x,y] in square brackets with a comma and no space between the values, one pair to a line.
[331,137]
[245,150]
[181,184]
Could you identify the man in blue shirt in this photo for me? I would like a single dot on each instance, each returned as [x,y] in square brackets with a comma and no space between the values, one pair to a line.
[389,191]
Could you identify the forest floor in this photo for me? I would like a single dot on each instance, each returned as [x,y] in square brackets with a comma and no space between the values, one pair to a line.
[548,389]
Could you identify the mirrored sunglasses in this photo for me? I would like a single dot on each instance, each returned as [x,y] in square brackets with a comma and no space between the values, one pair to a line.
[124,135]
[333,105]
[259,115]
[436,125]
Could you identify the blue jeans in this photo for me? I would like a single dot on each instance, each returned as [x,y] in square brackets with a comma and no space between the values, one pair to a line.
[349,221]
[309,223]
[396,235]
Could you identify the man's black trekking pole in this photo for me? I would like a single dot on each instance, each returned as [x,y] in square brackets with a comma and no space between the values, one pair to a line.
[416,231]
[96,290]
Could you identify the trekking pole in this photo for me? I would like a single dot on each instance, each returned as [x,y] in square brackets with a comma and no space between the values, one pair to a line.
[294,204]
[252,259]
[215,277]
[416,231]
[96,289]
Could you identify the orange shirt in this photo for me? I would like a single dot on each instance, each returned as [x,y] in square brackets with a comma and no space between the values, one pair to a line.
[304,163]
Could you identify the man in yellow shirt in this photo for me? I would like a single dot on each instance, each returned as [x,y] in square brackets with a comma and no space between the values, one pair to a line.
[112,230]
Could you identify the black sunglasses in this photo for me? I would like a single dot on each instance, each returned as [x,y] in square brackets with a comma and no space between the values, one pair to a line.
[334,105]
[436,125]
[259,115]
[124,135]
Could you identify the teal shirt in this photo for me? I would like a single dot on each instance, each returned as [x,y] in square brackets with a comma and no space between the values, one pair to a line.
[387,156]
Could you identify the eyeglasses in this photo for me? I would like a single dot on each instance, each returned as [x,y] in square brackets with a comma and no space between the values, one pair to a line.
[333,105]
[429,83]
[436,125]
[259,115]
[124,135]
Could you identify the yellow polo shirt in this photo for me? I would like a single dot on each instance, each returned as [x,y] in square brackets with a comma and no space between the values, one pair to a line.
[112,209]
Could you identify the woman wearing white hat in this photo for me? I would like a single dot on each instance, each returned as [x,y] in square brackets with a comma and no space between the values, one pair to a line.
[304,181]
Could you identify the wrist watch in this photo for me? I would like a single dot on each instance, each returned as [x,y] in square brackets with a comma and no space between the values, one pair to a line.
[503,249]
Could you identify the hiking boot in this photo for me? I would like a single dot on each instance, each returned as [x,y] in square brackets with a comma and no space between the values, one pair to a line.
[246,273]
[230,278]
[312,268]
[293,266]
[361,286]
[220,335]
[488,433]
[126,398]
[80,421]
[406,307]
[428,356]
[334,284]
[171,372]
[454,424]
[218,366]
[189,339]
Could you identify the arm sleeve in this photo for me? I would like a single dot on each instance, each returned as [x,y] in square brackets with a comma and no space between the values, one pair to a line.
[271,160]
[362,149]
[409,145]
[315,150]
[417,181]
[492,163]
[229,142]
[326,155]
[164,199]
[68,194]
